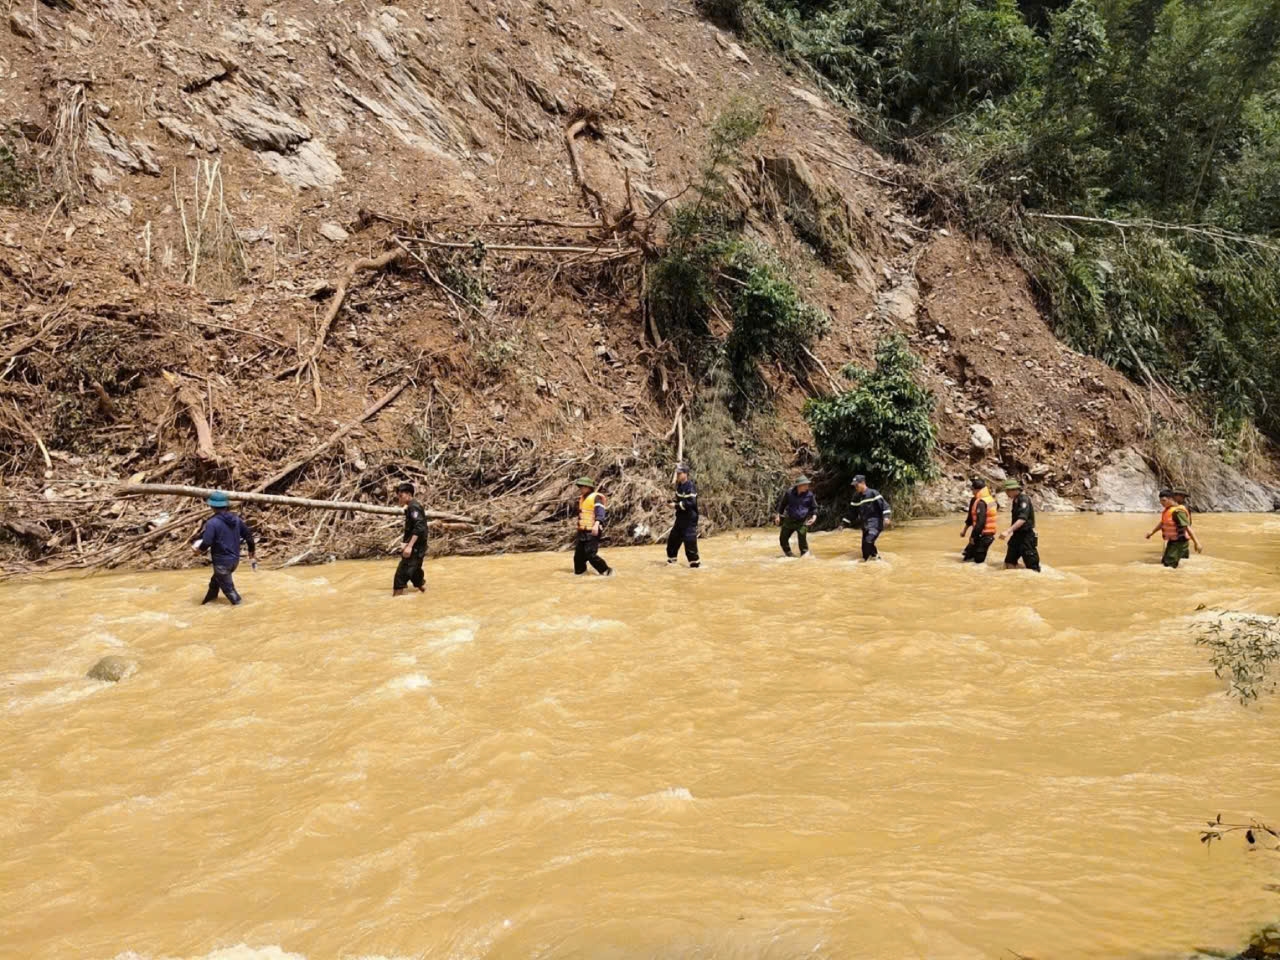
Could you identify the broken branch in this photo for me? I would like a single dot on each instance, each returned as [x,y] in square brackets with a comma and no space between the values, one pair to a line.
[339,295]
[332,439]
[612,254]
[190,401]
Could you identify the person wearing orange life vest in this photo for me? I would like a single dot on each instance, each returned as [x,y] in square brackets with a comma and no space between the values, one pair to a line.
[591,518]
[981,520]
[1175,526]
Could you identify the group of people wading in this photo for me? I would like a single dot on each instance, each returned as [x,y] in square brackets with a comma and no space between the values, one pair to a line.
[796,512]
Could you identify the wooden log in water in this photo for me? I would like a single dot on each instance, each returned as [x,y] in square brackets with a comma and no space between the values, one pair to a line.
[176,490]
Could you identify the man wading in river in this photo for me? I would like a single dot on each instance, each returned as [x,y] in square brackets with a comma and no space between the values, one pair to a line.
[221,537]
[591,518]
[414,549]
[1022,534]
[1175,525]
[981,519]
[796,513]
[685,528]
[870,511]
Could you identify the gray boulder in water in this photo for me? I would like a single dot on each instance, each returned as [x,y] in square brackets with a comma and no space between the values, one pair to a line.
[112,669]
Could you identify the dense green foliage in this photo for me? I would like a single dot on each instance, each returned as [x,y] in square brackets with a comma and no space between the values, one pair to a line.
[1159,117]
[709,269]
[883,427]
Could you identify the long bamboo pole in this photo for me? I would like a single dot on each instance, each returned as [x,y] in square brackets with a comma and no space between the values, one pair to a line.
[177,490]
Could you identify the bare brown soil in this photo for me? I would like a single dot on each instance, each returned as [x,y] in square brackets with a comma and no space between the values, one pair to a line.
[208,173]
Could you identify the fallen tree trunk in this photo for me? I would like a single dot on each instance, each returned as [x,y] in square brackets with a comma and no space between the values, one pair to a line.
[177,490]
[332,439]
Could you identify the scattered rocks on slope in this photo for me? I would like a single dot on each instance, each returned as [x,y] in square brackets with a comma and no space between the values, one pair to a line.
[112,669]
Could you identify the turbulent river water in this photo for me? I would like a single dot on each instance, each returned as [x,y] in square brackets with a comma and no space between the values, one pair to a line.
[765,758]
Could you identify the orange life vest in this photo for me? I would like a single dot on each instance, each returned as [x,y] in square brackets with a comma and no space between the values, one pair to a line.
[1169,526]
[587,510]
[984,495]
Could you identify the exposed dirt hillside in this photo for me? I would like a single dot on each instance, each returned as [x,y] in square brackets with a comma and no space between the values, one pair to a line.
[207,173]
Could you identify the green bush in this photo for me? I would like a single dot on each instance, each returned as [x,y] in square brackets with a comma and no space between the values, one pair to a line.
[771,321]
[883,427]
[707,268]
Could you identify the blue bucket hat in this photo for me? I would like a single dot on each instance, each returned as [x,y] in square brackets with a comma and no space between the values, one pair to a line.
[218,499]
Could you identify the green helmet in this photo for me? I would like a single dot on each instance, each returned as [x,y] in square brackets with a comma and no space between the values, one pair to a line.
[585,482]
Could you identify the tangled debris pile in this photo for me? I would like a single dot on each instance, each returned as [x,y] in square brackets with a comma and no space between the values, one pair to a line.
[221,243]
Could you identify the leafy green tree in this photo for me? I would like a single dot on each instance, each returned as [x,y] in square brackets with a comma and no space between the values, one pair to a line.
[883,426]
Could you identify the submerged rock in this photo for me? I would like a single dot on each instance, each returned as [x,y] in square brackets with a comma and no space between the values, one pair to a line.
[112,669]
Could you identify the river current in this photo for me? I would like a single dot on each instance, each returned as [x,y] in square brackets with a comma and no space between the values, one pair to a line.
[764,758]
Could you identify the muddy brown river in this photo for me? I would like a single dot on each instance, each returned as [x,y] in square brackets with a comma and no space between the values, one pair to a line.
[760,759]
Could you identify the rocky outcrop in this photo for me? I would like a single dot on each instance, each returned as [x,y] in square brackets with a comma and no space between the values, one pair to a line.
[1222,488]
[112,669]
[136,156]
[1126,484]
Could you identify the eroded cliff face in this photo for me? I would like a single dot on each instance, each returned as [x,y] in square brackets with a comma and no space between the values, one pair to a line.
[204,180]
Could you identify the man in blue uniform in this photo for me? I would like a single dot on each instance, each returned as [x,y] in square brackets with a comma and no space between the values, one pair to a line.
[414,549]
[685,528]
[796,513]
[870,511]
[221,537]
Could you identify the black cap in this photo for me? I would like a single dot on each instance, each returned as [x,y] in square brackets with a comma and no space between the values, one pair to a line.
[859,479]
[405,487]
[977,483]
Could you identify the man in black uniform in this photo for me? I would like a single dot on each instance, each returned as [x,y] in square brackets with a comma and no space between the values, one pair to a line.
[414,550]
[871,511]
[685,528]
[1022,534]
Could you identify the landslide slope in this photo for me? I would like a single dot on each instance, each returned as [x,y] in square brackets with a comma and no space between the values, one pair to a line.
[192,183]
